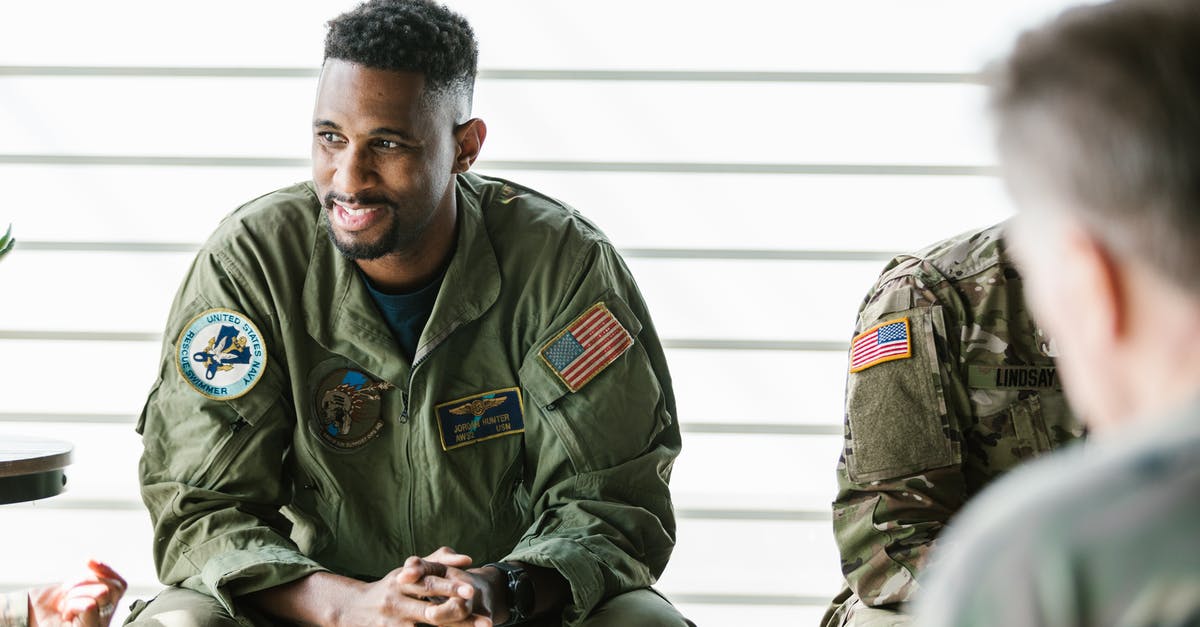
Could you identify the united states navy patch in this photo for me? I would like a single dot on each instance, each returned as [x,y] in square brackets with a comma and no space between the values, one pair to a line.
[481,417]
[221,354]
[586,347]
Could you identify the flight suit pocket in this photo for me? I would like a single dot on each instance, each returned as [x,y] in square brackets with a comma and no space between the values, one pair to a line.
[314,514]
[613,416]
[896,411]
[242,417]
[511,508]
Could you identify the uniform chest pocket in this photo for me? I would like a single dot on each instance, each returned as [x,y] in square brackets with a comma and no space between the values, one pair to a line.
[1007,437]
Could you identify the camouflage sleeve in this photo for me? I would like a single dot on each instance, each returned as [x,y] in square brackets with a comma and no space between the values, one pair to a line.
[899,476]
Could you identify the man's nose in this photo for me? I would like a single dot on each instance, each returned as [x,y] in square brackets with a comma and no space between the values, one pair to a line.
[355,171]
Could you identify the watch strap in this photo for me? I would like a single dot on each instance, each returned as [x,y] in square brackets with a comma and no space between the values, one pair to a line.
[515,577]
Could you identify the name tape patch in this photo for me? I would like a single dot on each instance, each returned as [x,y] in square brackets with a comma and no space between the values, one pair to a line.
[473,419]
[886,341]
[1013,377]
[586,347]
[221,354]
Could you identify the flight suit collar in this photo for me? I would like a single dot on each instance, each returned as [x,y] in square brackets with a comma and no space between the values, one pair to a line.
[472,282]
[342,317]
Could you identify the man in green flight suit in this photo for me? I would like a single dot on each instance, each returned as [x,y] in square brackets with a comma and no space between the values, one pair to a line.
[951,384]
[400,356]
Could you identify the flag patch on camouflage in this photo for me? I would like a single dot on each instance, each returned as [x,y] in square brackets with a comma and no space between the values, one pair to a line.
[885,341]
[481,417]
[586,347]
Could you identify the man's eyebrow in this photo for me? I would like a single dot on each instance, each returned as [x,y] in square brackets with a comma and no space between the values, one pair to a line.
[383,130]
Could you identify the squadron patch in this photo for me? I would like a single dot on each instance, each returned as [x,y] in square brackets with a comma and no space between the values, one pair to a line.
[481,417]
[885,341]
[221,354]
[348,408]
[586,347]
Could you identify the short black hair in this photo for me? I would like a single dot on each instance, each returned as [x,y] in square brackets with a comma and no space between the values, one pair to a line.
[408,36]
[1103,105]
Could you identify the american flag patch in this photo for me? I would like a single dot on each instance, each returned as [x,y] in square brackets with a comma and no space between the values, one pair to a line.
[586,347]
[883,342]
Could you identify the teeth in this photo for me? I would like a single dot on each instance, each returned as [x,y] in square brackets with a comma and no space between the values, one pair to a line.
[357,212]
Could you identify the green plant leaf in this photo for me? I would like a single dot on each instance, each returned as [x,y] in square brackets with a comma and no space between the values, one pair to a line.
[6,242]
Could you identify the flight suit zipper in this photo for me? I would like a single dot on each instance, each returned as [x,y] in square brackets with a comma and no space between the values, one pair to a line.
[405,397]
[223,454]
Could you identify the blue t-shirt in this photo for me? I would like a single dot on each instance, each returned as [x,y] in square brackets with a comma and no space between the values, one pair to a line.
[406,314]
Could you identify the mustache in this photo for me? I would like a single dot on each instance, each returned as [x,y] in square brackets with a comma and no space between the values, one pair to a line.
[369,199]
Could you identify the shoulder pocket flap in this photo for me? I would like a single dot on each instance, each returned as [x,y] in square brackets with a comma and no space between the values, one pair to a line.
[543,383]
[896,410]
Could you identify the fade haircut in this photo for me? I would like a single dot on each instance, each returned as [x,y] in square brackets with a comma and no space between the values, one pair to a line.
[409,36]
[1102,107]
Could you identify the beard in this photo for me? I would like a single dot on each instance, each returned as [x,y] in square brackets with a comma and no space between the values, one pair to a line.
[402,231]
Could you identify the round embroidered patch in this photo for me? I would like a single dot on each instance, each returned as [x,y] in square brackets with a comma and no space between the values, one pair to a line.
[349,412]
[221,354]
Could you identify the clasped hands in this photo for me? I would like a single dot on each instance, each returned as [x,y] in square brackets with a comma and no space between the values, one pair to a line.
[437,589]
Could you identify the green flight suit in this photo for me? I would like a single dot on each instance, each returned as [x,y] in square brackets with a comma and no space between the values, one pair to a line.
[342,455]
[977,395]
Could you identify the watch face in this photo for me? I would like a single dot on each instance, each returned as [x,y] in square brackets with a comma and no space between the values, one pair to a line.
[522,591]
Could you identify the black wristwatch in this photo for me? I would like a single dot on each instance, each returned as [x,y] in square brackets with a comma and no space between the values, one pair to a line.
[520,593]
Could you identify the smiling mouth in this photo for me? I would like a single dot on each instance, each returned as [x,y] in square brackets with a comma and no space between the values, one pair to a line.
[361,211]
[352,218]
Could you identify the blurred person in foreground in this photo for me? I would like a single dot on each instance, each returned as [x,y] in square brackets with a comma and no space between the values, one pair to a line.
[401,355]
[1098,120]
[88,602]
[951,384]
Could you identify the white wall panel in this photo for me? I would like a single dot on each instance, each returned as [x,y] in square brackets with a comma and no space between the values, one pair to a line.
[76,377]
[771,35]
[766,558]
[637,210]
[774,212]
[759,386]
[754,300]
[528,120]
[761,472]
[80,291]
[131,204]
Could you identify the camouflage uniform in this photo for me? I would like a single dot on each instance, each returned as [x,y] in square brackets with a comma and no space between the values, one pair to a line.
[1103,535]
[976,395]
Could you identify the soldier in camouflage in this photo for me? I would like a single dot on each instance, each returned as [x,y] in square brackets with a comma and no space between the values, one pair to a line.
[1099,143]
[968,390]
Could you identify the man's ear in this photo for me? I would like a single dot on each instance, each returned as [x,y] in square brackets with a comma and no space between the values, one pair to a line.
[468,141]
[1101,284]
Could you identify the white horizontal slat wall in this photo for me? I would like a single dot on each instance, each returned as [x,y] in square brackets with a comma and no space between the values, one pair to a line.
[757,162]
